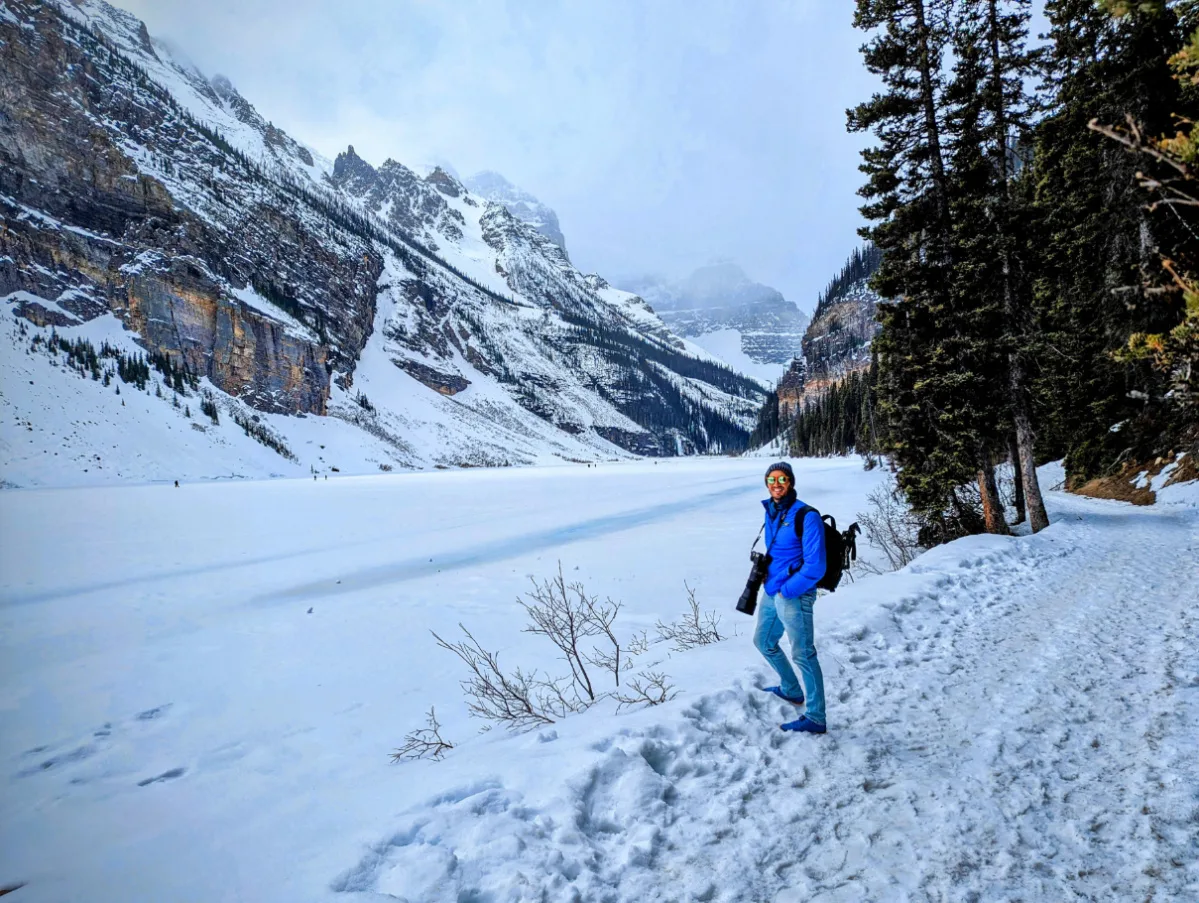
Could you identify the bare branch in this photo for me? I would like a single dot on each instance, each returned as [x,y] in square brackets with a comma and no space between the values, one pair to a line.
[693,628]
[580,627]
[494,695]
[563,615]
[423,743]
[647,688]
[1135,141]
[890,527]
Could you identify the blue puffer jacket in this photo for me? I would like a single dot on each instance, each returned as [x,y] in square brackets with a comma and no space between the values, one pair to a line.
[794,569]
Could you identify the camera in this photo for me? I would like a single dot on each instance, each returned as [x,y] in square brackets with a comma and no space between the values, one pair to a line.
[760,562]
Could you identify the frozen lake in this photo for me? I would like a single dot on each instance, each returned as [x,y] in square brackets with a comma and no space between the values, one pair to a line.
[202,686]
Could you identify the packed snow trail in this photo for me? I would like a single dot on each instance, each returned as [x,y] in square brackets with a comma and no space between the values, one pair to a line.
[1023,728]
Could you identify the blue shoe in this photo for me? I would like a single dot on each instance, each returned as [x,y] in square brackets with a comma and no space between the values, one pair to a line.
[803,725]
[778,691]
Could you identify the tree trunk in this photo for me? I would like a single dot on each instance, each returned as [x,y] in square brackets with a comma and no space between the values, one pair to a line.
[992,505]
[932,128]
[1017,477]
[1038,519]
[1017,381]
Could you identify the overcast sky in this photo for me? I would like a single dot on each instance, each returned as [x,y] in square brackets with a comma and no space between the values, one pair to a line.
[666,134]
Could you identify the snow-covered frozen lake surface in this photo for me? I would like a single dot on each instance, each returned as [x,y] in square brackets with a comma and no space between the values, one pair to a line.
[1010,718]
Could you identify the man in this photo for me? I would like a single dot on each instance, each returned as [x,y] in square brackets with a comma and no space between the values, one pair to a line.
[790,590]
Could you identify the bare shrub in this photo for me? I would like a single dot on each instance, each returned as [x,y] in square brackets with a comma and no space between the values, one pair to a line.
[638,644]
[692,629]
[518,700]
[890,527]
[580,627]
[646,688]
[423,743]
[565,615]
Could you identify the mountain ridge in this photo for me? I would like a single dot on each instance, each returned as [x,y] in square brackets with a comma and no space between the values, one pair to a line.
[220,243]
[719,308]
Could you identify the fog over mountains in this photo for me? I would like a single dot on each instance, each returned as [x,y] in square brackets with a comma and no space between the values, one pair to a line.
[518,202]
[719,308]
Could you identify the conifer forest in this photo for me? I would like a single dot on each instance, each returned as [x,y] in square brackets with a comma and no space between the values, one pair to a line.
[1034,199]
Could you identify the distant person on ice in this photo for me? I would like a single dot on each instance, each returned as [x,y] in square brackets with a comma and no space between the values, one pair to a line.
[790,591]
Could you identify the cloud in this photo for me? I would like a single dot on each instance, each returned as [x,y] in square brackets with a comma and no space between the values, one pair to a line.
[665,133]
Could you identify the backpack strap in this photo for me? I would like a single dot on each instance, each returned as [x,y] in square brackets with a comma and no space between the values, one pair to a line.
[800,517]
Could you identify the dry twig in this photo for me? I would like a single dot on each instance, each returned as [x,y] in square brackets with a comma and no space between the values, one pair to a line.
[647,688]
[423,743]
[692,629]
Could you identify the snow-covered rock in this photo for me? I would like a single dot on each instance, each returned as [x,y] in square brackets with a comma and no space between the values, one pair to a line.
[526,208]
[750,326]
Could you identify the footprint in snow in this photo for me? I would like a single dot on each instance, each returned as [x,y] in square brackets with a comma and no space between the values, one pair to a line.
[165,776]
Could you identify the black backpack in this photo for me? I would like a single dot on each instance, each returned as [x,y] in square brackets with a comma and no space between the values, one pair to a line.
[840,549]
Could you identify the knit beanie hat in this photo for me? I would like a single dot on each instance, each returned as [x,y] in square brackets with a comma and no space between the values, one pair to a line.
[784,467]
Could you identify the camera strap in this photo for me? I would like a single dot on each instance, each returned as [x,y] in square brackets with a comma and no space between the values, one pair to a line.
[762,529]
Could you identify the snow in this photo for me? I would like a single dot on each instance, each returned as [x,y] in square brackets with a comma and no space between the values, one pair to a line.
[725,344]
[59,429]
[23,297]
[1010,717]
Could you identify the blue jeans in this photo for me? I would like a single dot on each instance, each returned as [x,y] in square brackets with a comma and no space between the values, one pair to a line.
[778,614]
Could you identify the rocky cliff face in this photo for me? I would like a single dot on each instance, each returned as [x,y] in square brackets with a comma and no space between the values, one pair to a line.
[91,179]
[132,187]
[492,186]
[843,326]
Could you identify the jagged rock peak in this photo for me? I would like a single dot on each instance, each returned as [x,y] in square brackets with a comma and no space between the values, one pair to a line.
[143,36]
[725,283]
[492,186]
[349,168]
[444,182]
[222,86]
[719,297]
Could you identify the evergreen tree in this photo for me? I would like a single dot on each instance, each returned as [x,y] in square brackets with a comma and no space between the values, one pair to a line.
[837,423]
[1094,235]
[1010,66]
[767,426]
[930,386]
[990,111]
[1170,179]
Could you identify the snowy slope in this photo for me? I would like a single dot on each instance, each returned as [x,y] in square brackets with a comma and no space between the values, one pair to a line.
[728,345]
[750,326]
[442,329]
[200,699]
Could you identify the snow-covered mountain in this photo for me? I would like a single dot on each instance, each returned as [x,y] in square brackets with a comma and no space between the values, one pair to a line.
[526,208]
[718,308]
[155,219]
